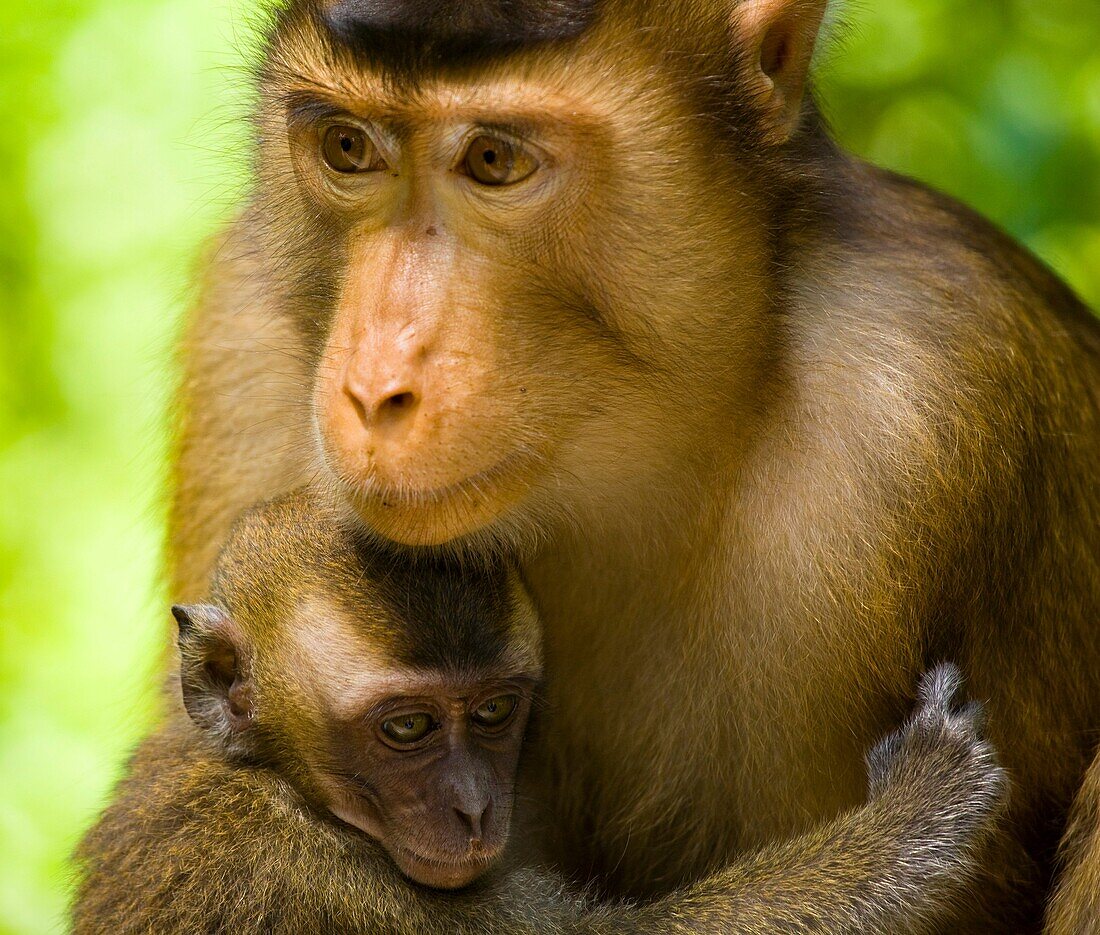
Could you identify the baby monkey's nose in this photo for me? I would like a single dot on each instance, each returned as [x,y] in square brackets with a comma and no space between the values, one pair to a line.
[474,819]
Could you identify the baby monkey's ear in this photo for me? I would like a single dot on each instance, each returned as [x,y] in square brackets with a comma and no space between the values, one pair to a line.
[215,674]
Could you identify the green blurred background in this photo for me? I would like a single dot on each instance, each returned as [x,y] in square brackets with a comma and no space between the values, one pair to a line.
[120,151]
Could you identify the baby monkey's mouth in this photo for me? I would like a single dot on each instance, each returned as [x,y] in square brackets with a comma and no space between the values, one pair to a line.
[445,871]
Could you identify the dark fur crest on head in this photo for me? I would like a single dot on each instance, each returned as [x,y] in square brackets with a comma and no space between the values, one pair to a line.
[410,36]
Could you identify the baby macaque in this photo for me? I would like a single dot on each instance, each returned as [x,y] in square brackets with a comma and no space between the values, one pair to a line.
[350,700]
[390,694]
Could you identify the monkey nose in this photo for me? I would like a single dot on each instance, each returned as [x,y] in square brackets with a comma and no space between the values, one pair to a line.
[387,408]
[474,820]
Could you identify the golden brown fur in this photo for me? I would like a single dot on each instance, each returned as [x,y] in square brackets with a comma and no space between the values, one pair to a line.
[826,427]
[1075,906]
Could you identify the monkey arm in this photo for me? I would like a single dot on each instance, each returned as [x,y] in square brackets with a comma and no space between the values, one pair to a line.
[892,865]
[194,845]
[870,870]
[1075,906]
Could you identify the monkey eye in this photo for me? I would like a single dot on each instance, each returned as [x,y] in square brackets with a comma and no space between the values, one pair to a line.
[495,711]
[349,149]
[406,729]
[490,160]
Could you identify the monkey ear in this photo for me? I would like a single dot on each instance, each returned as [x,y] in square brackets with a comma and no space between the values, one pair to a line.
[777,39]
[215,673]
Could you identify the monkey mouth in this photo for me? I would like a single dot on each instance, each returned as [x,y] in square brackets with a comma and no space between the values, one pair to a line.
[479,482]
[444,871]
[425,516]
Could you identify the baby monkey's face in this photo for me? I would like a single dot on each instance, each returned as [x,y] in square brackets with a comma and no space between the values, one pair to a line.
[421,758]
[413,741]
[429,770]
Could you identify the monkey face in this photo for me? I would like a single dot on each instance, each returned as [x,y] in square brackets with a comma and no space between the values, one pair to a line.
[393,696]
[512,287]
[422,762]
[431,777]
[435,406]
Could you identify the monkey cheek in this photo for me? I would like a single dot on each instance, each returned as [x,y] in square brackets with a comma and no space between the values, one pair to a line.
[358,815]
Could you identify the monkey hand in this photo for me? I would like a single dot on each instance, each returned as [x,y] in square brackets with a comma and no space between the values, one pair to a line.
[938,771]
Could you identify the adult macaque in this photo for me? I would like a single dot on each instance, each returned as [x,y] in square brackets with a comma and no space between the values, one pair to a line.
[350,706]
[769,429]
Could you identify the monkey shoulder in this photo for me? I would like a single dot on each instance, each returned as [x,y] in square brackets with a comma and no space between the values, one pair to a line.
[938,335]
[935,268]
[193,843]
[935,381]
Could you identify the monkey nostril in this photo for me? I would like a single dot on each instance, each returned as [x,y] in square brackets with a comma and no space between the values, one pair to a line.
[396,407]
[397,402]
[393,407]
[357,405]
[473,822]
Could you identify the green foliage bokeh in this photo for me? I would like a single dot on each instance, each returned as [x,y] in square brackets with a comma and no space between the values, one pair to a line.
[118,134]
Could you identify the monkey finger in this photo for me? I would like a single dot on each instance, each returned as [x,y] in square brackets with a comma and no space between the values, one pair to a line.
[939,687]
[971,718]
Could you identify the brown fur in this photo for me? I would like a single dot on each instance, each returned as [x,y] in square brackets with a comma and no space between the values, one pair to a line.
[824,426]
[1075,906]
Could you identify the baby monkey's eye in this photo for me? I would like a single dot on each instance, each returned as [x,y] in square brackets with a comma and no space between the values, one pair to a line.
[495,711]
[408,728]
[494,161]
[348,149]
